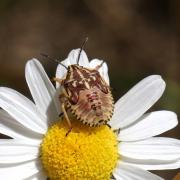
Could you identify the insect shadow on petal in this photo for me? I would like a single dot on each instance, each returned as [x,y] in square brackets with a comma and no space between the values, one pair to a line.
[85,94]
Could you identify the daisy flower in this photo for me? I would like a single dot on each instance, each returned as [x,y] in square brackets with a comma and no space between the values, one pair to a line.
[39,147]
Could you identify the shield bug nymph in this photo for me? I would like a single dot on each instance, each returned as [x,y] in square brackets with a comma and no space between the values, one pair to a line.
[85,94]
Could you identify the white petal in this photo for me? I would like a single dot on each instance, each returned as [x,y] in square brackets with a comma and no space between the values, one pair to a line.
[42,90]
[153,148]
[61,70]
[13,151]
[137,101]
[19,171]
[71,59]
[150,124]
[152,164]
[22,109]
[103,70]
[127,172]
[39,176]
[10,127]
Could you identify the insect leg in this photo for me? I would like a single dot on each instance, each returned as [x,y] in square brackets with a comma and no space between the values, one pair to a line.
[67,118]
[58,80]
[61,114]
[62,100]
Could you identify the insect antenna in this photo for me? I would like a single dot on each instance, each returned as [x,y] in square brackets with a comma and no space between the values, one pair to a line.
[100,65]
[84,43]
[55,60]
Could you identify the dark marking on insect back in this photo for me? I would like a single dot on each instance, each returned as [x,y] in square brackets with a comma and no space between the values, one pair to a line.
[83,77]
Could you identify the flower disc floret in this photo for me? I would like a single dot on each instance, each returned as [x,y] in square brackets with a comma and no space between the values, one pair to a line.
[85,153]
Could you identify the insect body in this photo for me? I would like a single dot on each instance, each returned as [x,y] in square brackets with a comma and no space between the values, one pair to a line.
[86,94]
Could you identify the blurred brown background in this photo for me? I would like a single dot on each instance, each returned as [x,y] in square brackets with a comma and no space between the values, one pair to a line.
[136,38]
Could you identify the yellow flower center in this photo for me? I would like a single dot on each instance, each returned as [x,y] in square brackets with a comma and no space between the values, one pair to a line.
[85,153]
